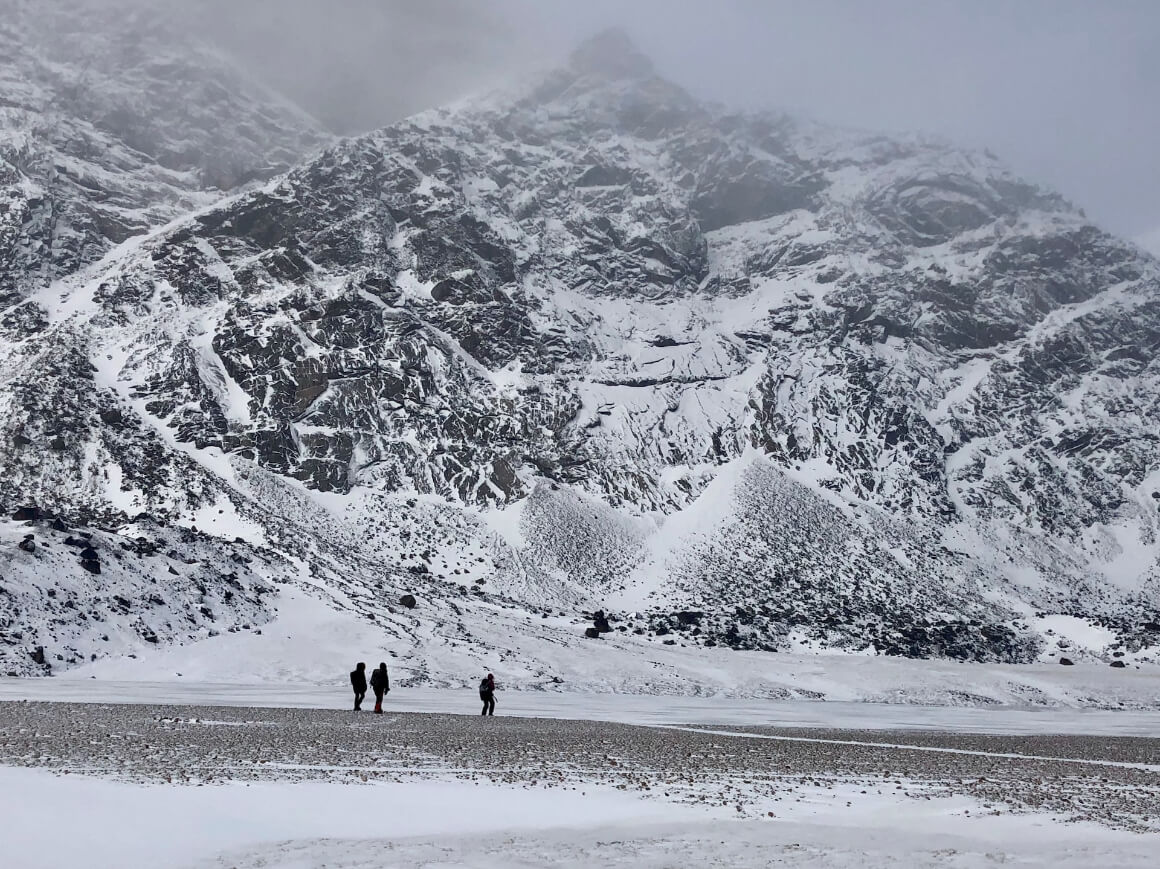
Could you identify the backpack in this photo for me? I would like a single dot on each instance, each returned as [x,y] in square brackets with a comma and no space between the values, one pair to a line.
[484,688]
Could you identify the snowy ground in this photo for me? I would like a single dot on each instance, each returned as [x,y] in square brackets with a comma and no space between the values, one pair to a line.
[456,824]
[623,708]
[311,644]
[231,786]
[255,762]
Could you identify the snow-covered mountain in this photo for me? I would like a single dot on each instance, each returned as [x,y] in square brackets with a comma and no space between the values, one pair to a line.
[733,380]
[112,122]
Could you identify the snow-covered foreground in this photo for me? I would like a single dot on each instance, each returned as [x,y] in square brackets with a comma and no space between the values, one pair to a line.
[456,824]
[122,785]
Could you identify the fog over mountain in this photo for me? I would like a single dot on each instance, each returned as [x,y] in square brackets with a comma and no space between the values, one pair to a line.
[1063,90]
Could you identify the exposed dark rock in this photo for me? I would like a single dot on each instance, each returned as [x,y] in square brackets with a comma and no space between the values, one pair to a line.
[408,600]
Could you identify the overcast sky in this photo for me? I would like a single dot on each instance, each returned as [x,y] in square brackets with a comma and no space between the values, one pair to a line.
[1066,91]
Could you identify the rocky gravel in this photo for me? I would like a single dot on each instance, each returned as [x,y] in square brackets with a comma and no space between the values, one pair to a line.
[1114,781]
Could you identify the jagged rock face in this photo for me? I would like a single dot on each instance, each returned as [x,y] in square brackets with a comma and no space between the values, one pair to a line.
[933,385]
[112,121]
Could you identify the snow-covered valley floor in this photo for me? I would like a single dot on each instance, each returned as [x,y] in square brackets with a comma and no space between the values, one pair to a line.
[138,785]
[657,709]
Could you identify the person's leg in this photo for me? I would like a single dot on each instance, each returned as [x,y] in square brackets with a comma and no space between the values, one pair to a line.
[491,705]
[378,701]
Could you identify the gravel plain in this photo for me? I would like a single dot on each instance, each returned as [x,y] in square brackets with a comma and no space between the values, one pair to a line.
[1114,781]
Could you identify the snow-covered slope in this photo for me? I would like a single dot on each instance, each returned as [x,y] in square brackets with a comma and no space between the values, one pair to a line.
[113,121]
[736,380]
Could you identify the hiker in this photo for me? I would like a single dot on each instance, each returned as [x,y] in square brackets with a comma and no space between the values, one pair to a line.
[487,695]
[358,681]
[380,684]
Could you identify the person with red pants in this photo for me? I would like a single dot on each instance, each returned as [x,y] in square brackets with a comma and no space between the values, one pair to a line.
[487,695]
[380,684]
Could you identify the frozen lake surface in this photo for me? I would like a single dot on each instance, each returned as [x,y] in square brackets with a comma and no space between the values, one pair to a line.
[623,708]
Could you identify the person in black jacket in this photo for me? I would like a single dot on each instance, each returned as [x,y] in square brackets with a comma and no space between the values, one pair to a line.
[487,695]
[380,684]
[358,681]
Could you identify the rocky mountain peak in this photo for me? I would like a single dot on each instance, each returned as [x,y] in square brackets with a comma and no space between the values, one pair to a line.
[605,347]
[611,54]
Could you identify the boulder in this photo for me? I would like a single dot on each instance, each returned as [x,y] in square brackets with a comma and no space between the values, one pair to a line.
[58,525]
[27,544]
[1067,662]
[592,633]
[408,600]
[1119,664]
[27,514]
[91,565]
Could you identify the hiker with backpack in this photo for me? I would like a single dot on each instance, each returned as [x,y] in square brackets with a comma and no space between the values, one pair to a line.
[487,695]
[358,681]
[380,684]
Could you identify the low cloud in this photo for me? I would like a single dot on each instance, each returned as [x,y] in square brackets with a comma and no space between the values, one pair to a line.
[1065,90]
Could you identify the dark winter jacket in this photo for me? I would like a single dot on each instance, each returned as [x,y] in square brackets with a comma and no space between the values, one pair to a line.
[486,688]
[358,681]
[380,680]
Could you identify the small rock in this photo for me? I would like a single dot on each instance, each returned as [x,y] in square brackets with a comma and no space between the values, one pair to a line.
[1119,664]
[408,600]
